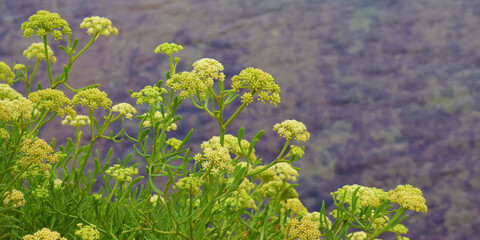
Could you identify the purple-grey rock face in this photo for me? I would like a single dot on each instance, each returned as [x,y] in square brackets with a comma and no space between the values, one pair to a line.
[387,89]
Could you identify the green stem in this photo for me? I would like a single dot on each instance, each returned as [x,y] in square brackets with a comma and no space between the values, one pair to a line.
[391,223]
[29,81]
[50,77]
[86,47]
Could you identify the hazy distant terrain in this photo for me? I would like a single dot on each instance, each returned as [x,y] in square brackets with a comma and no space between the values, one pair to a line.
[389,90]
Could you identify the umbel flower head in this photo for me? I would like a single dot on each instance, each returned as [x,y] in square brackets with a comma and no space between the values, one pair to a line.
[149,95]
[208,69]
[292,129]
[45,23]
[366,196]
[305,229]
[76,121]
[51,100]
[88,232]
[408,197]
[14,198]
[124,109]
[6,74]
[122,174]
[168,48]
[98,25]
[44,234]
[192,184]
[37,50]
[7,92]
[257,81]
[36,151]
[231,143]
[215,157]
[92,98]
[189,84]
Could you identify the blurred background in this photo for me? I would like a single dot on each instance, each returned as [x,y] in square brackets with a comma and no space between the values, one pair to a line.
[388,89]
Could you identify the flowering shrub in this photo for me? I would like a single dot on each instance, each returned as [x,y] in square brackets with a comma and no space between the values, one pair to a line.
[225,191]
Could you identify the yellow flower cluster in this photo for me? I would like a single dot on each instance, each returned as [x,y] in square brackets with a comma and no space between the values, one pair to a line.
[122,174]
[6,73]
[295,205]
[88,232]
[43,23]
[92,98]
[124,109]
[208,70]
[175,143]
[98,25]
[192,184]
[258,82]
[189,84]
[399,229]
[57,184]
[44,234]
[231,143]
[285,172]
[15,110]
[36,151]
[168,48]
[154,199]
[366,196]
[7,92]
[323,221]
[241,197]
[295,150]
[305,229]
[52,100]
[292,129]
[158,117]
[77,121]
[215,157]
[37,50]
[4,133]
[14,198]
[149,95]
[408,197]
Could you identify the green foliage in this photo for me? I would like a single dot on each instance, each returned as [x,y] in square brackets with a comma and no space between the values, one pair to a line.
[226,191]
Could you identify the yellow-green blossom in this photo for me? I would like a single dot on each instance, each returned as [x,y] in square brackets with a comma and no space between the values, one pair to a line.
[295,205]
[322,220]
[188,83]
[286,172]
[305,229]
[4,133]
[215,157]
[124,109]
[18,66]
[57,184]
[366,196]
[231,143]
[241,197]
[37,50]
[154,199]
[168,48]
[92,98]
[357,236]
[157,117]
[16,110]
[257,81]
[295,150]
[208,70]
[149,95]
[175,143]
[51,100]
[45,23]
[44,234]
[41,192]
[7,92]
[292,129]
[6,73]
[98,25]
[122,174]
[37,151]
[399,229]
[77,121]
[88,232]
[192,184]
[408,197]
[14,198]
